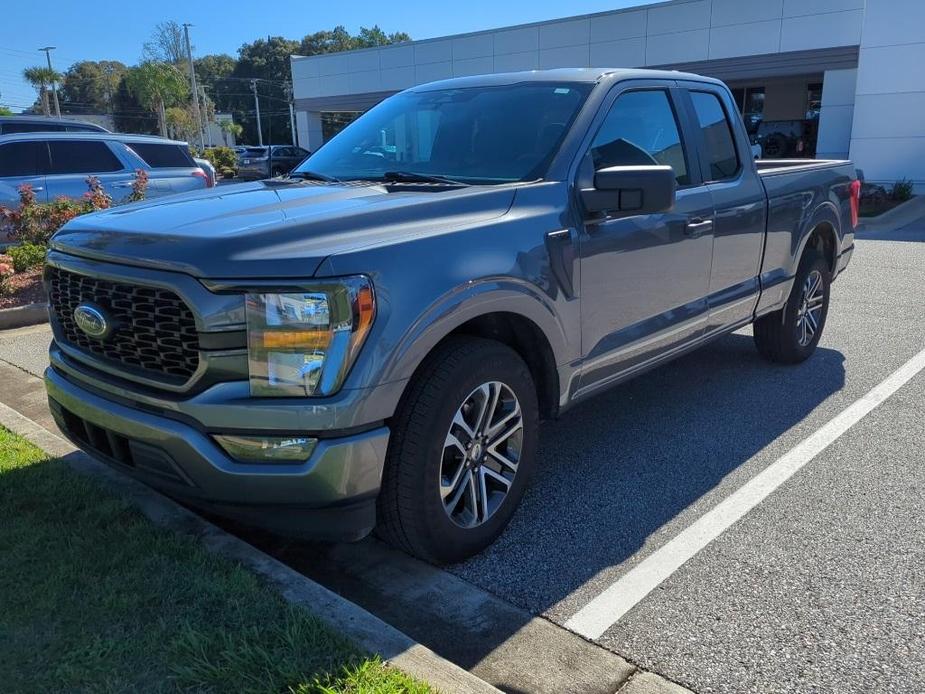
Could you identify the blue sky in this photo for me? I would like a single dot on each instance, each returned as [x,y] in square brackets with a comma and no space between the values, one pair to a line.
[105,29]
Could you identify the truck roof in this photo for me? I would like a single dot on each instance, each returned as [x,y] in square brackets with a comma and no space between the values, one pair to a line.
[566,74]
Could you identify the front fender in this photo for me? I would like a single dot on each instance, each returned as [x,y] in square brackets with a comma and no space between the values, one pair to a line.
[462,304]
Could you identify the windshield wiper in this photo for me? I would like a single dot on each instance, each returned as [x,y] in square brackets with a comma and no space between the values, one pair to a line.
[412,177]
[313,176]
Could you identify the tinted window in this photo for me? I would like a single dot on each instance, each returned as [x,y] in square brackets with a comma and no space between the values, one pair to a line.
[82,157]
[641,129]
[23,159]
[11,128]
[83,129]
[163,156]
[482,134]
[717,135]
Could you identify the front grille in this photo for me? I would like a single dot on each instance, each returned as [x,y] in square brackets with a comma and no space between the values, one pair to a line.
[154,332]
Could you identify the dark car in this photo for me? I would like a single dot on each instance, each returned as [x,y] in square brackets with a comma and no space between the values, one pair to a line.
[256,162]
[11,125]
[373,340]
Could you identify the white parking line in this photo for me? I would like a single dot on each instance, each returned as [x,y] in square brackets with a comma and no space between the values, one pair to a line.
[606,609]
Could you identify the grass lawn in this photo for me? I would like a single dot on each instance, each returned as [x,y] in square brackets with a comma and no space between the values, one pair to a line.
[95,598]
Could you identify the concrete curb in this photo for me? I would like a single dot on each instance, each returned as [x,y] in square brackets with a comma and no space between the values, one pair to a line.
[366,630]
[21,316]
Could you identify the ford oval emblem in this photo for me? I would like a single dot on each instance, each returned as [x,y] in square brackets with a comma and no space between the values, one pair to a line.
[92,321]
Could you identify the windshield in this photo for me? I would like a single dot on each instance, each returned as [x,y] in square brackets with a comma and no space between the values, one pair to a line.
[473,135]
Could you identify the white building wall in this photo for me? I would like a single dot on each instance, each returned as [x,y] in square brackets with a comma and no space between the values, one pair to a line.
[660,35]
[888,134]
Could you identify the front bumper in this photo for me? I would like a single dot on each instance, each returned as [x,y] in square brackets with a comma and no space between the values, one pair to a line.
[331,496]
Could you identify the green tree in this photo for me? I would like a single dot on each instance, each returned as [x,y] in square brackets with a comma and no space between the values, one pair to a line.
[90,86]
[4,111]
[374,36]
[157,86]
[229,127]
[40,78]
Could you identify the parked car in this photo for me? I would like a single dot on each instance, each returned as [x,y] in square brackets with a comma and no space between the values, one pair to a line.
[207,167]
[255,162]
[57,164]
[10,125]
[372,341]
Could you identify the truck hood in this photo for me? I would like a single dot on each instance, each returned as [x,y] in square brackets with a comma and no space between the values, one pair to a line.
[271,229]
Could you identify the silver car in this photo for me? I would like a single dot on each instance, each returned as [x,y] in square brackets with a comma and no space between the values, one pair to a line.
[58,164]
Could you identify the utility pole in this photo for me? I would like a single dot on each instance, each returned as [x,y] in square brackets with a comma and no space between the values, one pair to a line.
[292,122]
[205,112]
[54,83]
[193,89]
[257,108]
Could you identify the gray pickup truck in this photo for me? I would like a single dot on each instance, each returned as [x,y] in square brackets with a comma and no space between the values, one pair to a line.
[372,341]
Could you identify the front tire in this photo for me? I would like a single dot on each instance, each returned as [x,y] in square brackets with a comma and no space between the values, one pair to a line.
[790,336]
[462,449]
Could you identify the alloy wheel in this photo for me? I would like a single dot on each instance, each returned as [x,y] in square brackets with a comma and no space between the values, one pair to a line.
[809,313]
[481,454]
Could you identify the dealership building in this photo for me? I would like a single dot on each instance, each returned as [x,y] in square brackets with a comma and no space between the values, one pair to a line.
[830,78]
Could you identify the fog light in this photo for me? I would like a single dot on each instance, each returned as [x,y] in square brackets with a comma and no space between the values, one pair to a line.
[267,449]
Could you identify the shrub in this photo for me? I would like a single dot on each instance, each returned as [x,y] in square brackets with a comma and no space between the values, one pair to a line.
[228,173]
[6,271]
[221,158]
[139,186]
[27,256]
[34,222]
[902,190]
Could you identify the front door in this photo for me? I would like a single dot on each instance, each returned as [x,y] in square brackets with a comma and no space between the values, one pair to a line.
[645,278]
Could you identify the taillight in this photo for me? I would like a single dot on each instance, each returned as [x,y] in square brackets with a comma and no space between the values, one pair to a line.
[199,173]
[855,203]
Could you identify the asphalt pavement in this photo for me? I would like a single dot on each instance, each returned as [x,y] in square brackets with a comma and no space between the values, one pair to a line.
[820,587]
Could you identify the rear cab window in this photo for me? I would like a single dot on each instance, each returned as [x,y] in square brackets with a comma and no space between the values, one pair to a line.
[82,157]
[719,144]
[163,156]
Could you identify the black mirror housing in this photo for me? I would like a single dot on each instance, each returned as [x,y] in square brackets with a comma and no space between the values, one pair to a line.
[631,190]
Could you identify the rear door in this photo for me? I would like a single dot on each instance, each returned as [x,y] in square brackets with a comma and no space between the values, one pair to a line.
[23,163]
[73,161]
[644,278]
[740,203]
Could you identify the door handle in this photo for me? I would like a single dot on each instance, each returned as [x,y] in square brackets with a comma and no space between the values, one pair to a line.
[698,227]
[38,188]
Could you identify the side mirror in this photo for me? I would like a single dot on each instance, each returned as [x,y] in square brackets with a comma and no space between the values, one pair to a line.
[631,190]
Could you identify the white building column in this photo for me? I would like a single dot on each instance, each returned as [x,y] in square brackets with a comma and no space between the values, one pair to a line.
[308,124]
[888,134]
[837,114]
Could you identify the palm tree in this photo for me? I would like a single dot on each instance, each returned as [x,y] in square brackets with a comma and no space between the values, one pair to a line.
[157,86]
[40,77]
[229,127]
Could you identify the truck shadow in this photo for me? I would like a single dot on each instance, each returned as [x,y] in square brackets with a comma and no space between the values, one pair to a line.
[631,466]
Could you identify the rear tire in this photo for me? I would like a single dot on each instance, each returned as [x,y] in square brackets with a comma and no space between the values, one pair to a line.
[447,492]
[790,336]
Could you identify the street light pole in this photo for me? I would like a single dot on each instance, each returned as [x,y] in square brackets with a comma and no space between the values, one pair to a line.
[193,89]
[54,83]
[257,108]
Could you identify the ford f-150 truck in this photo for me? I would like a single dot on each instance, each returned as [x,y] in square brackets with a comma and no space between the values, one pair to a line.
[372,341]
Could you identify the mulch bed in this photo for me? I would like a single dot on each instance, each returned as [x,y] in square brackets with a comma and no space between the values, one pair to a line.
[23,288]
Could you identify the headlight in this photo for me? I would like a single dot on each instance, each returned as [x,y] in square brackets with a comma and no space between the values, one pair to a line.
[304,342]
